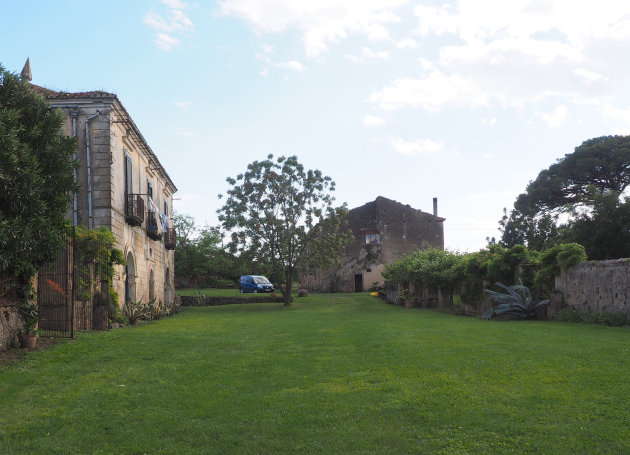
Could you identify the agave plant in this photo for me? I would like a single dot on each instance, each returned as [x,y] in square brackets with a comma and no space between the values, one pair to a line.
[517,302]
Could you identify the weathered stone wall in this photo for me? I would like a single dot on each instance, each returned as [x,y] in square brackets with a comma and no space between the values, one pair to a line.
[402,230]
[597,286]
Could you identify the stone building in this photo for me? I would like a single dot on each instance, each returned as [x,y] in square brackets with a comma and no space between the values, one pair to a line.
[124,187]
[384,230]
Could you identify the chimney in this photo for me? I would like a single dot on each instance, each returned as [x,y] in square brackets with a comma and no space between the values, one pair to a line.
[435,206]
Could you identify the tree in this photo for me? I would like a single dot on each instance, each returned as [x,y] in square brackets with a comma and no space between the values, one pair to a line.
[195,250]
[282,216]
[578,189]
[36,179]
[600,165]
[200,256]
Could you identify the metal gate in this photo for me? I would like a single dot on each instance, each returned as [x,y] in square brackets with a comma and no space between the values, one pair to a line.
[73,293]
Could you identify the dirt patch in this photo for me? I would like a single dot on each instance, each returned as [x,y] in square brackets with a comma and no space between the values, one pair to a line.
[12,355]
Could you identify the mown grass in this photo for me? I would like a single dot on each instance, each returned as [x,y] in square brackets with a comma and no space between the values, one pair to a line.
[331,374]
[215,293]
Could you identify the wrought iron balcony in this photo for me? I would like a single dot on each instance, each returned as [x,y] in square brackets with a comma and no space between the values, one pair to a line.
[134,209]
[170,239]
[152,226]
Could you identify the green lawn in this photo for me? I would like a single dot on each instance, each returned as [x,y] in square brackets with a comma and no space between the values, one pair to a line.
[215,293]
[222,292]
[333,374]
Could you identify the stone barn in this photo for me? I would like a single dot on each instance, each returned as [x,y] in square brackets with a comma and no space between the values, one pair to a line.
[384,230]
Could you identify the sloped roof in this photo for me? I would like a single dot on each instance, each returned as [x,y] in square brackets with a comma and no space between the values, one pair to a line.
[52,94]
[380,200]
[99,94]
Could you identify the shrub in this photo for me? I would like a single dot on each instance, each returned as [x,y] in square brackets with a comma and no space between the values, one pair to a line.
[517,302]
[135,311]
[554,260]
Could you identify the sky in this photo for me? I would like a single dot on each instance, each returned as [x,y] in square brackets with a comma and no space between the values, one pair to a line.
[462,100]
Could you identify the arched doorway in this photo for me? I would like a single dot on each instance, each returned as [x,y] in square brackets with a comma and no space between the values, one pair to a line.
[130,279]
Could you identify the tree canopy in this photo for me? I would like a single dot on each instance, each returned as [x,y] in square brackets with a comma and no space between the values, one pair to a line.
[36,178]
[580,198]
[282,216]
[598,166]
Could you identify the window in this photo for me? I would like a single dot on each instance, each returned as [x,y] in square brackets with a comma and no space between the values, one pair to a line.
[149,189]
[371,238]
[128,174]
[166,208]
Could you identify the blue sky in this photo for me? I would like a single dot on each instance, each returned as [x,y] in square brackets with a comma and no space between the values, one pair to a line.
[463,100]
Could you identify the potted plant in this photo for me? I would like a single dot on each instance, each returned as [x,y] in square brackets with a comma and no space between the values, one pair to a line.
[405,298]
[28,334]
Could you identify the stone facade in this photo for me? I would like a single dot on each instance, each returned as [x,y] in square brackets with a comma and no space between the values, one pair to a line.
[595,286]
[384,230]
[118,168]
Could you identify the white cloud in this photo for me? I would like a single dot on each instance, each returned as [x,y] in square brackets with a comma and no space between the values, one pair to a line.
[489,121]
[430,92]
[292,65]
[165,41]
[556,118]
[373,121]
[319,23]
[612,113]
[183,104]
[406,43]
[417,147]
[588,77]
[524,53]
[369,53]
[176,22]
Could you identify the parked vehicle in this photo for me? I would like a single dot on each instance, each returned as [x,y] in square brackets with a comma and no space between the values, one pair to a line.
[254,283]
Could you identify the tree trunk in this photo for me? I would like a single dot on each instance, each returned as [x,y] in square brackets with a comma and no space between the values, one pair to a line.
[288,287]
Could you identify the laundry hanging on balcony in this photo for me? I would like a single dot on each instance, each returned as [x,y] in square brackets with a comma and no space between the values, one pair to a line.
[165,221]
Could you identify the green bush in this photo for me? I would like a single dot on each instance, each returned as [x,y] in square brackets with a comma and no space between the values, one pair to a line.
[135,311]
[554,260]
[432,267]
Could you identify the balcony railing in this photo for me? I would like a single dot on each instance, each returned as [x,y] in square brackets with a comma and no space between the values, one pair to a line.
[134,209]
[170,239]
[152,226]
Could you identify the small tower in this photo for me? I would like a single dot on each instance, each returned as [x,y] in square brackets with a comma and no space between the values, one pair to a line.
[26,71]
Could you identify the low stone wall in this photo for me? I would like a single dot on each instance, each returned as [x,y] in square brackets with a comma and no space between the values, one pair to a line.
[10,323]
[596,286]
[213,301]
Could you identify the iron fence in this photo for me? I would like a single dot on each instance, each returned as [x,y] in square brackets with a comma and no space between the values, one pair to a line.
[73,292]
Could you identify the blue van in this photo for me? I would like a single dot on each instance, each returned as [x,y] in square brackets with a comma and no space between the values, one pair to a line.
[254,283]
